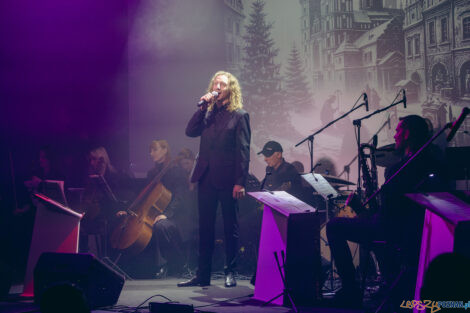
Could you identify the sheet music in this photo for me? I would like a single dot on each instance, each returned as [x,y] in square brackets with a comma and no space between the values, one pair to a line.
[282,201]
[54,189]
[103,184]
[321,185]
[444,204]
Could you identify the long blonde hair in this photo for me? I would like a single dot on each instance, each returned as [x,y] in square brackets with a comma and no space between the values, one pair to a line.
[102,156]
[236,100]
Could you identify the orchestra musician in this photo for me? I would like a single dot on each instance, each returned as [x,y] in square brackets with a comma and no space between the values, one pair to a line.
[165,247]
[398,222]
[280,175]
[97,204]
[221,170]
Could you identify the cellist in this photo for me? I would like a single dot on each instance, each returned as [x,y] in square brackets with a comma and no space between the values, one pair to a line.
[166,238]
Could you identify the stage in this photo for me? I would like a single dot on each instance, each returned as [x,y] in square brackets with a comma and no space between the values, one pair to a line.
[215,298]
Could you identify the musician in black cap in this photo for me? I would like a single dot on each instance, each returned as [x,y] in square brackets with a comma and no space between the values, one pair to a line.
[280,175]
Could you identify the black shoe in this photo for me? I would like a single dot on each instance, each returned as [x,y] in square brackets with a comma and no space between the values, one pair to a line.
[230,280]
[195,281]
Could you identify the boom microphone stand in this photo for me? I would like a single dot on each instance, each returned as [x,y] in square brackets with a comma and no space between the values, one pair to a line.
[311,137]
[347,167]
[358,123]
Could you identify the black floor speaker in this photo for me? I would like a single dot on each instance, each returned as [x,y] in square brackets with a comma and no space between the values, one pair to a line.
[100,284]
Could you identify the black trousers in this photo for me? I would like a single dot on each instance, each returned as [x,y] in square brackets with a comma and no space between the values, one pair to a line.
[168,246]
[401,251]
[339,230]
[209,197]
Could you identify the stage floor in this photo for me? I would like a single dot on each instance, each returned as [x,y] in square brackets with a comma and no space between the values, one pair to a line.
[214,298]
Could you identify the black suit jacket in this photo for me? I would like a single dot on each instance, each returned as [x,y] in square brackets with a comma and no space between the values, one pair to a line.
[224,149]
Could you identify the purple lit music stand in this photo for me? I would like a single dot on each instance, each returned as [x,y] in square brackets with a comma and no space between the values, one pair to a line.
[444,212]
[291,226]
[56,229]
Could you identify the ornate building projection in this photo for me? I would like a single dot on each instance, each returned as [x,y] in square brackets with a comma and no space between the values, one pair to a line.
[437,37]
[352,44]
[233,34]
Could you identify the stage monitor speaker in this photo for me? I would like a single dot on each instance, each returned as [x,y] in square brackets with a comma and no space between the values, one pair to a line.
[100,284]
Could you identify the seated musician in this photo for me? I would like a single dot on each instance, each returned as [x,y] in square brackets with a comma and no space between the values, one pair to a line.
[98,205]
[397,222]
[280,175]
[166,242]
[46,169]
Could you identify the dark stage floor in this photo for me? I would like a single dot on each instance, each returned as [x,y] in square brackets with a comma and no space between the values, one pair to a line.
[215,298]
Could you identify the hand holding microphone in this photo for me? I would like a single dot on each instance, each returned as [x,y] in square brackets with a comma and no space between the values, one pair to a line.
[206,99]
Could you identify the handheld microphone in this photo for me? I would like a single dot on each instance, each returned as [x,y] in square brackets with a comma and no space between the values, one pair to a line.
[204,102]
[458,123]
[404,98]
[366,101]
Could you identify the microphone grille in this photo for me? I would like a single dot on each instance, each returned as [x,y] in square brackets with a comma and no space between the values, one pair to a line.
[215,93]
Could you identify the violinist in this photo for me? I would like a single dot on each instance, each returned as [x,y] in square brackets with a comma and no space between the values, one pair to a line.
[165,244]
[398,222]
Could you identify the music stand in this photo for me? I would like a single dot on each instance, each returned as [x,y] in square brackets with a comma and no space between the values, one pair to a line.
[54,189]
[289,225]
[100,182]
[323,187]
[285,292]
[56,229]
[102,185]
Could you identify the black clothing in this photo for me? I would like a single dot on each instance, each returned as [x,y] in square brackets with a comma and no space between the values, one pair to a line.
[166,239]
[175,180]
[224,150]
[398,221]
[285,177]
[99,206]
[223,160]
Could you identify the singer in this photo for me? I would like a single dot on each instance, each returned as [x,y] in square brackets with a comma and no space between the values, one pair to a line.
[221,170]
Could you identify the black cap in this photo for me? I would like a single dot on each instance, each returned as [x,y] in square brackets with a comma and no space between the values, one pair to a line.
[270,147]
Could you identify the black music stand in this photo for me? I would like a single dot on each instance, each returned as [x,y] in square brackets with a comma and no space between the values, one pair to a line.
[285,291]
[54,189]
[323,187]
[102,185]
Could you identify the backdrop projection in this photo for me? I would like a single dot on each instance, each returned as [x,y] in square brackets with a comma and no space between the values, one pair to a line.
[297,74]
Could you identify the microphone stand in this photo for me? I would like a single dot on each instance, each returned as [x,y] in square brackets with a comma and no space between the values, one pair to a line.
[358,123]
[311,137]
[346,168]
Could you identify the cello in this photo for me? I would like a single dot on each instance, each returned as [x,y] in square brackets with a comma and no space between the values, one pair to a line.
[134,231]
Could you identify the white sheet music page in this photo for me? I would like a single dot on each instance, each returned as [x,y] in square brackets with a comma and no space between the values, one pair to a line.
[320,184]
[282,201]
